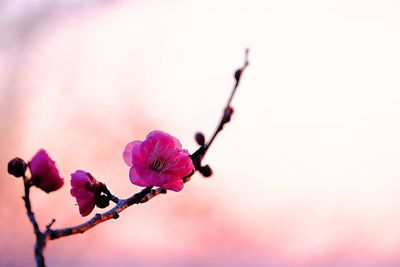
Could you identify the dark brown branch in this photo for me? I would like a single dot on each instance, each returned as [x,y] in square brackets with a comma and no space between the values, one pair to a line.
[99,218]
[40,237]
[142,197]
[153,193]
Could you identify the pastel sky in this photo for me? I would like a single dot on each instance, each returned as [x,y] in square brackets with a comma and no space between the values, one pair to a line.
[305,175]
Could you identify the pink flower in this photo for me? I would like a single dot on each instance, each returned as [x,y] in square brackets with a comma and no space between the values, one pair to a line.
[44,172]
[158,161]
[85,188]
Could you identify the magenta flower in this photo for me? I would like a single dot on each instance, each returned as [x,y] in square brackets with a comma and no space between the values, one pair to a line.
[44,172]
[158,161]
[85,189]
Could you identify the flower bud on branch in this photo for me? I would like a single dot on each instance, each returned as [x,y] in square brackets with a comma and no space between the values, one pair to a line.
[17,167]
[44,172]
[158,161]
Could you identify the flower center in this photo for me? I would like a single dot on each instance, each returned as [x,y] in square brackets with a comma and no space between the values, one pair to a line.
[158,165]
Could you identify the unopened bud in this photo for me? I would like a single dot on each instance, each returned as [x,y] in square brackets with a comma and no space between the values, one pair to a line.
[17,167]
[206,171]
[227,115]
[238,73]
[200,138]
[102,201]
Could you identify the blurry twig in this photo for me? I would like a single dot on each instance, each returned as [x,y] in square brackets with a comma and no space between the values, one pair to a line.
[226,116]
[198,155]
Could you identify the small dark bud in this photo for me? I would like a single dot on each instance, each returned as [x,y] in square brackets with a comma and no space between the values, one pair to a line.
[227,115]
[102,201]
[238,73]
[206,171]
[200,138]
[17,167]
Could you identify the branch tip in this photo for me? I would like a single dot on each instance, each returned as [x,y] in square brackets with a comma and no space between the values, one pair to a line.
[246,57]
[48,226]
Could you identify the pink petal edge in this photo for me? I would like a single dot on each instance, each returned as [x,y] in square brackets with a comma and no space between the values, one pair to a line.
[127,155]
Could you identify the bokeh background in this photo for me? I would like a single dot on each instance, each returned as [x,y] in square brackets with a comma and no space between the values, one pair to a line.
[306,174]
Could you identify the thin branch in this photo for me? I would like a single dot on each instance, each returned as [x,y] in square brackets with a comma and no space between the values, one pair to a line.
[238,75]
[40,237]
[28,206]
[141,197]
[153,193]
[99,218]
[48,226]
[109,195]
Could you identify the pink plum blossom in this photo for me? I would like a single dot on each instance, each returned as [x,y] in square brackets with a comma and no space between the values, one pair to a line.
[44,172]
[158,161]
[85,188]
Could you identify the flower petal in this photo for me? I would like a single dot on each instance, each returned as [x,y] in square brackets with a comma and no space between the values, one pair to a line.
[85,200]
[161,143]
[39,163]
[136,179]
[84,188]
[174,185]
[180,166]
[158,161]
[51,182]
[139,157]
[127,155]
[44,172]
[79,178]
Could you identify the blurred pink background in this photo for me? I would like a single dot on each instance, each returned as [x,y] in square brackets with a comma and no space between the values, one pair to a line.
[306,174]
